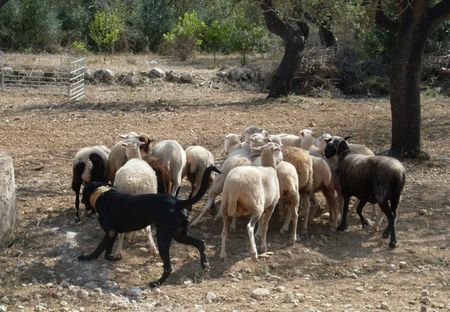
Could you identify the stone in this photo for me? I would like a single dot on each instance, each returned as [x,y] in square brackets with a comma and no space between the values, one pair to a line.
[402,265]
[186,78]
[260,293]
[385,306]
[7,199]
[108,75]
[211,297]
[133,292]
[157,73]
[3,308]
[173,77]
[425,300]
[131,79]
[423,212]
[424,293]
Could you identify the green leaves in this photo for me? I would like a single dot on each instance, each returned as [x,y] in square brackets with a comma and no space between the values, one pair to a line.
[105,29]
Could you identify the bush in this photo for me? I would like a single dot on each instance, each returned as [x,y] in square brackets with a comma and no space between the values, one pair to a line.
[105,29]
[186,37]
[79,47]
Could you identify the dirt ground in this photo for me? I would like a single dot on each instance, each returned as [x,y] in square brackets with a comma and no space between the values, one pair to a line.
[326,271]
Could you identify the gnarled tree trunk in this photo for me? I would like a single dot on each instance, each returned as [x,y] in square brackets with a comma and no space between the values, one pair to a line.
[416,20]
[294,37]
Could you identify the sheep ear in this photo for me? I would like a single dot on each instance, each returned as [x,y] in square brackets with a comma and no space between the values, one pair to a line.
[328,140]
[259,148]
[342,146]
[123,136]
[347,137]
[302,133]
[124,144]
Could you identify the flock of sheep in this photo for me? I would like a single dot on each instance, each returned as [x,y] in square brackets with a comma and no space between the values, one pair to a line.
[261,171]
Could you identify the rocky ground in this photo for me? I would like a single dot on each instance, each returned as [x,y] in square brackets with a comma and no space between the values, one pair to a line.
[325,271]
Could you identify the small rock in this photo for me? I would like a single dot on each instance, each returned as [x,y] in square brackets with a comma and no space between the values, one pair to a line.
[131,79]
[211,297]
[186,280]
[157,73]
[424,293]
[5,299]
[133,292]
[3,308]
[423,309]
[279,289]
[312,124]
[83,293]
[425,300]
[391,268]
[186,78]
[385,306]
[359,289]
[423,212]
[260,293]
[98,290]
[300,297]
[290,298]
[402,265]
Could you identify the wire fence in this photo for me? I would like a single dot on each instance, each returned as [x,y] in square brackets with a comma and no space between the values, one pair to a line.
[48,74]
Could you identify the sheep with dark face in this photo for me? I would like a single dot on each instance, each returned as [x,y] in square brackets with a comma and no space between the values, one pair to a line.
[374,179]
[89,164]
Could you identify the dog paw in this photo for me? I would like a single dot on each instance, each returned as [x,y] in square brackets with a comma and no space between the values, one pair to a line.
[387,233]
[392,244]
[154,284]
[341,227]
[84,258]
[116,257]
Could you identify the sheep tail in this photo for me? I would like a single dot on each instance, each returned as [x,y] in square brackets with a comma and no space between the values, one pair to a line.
[187,203]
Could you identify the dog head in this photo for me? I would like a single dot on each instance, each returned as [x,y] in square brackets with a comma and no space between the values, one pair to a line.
[88,191]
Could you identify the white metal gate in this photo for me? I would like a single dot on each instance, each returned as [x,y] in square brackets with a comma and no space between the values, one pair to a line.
[49,74]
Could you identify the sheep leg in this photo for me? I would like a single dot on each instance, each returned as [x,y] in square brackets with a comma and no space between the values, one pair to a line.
[391,217]
[233,224]
[77,205]
[314,207]
[304,199]
[328,193]
[251,237]
[118,252]
[151,242]
[287,222]
[359,209]
[264,227]
[226,224]
[294,216]
[208,205]
[343,224]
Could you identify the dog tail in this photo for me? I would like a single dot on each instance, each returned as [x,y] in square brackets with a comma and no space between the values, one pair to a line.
[202,190]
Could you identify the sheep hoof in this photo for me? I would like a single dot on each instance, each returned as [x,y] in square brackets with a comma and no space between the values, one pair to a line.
[154,284]
[77,220]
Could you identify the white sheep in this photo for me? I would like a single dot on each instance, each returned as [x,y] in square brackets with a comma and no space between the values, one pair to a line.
[304,140]
[254,191]
[252,130]
[232,145]
[289,197]
[117,157]
[135,177]
[89,164]
[198,159]
[174,156]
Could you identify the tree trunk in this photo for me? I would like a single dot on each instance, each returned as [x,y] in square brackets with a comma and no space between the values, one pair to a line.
[405,76]
[294,41]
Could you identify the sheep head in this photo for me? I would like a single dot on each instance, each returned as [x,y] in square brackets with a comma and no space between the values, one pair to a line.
[336,145]
[268,150]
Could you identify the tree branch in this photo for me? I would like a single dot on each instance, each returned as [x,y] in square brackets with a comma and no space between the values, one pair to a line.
[383,21]
[438,14]
[273,22]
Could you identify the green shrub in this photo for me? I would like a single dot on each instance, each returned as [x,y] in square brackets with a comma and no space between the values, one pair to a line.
[185,37]
[105,29]
[79,47]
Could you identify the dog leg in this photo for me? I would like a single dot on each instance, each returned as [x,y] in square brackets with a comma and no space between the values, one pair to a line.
[108,256]
[183,237]
[98,251]
[151,242]
[164,239]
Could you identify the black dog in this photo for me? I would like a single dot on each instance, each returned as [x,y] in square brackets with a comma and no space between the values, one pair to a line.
[120,213]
